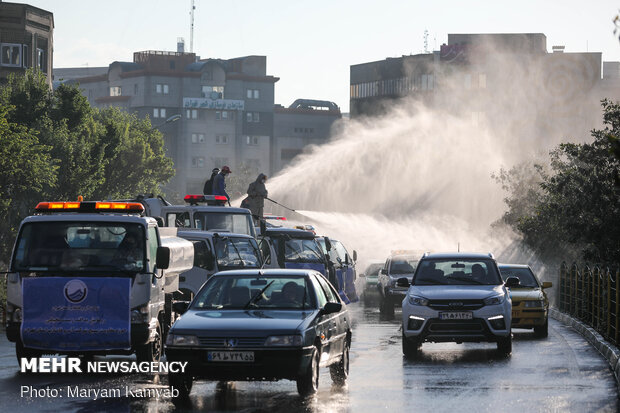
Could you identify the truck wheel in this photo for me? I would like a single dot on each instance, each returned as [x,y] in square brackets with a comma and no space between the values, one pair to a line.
[504,345]
[308,383]
[543,330]
[152,350]
[24,352]
[411,347]
[181,382]
[340,370]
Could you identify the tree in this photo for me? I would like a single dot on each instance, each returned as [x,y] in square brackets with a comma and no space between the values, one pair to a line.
[578,203]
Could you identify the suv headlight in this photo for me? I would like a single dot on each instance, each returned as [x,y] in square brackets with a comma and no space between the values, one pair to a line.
[417,300]
[181,340]
[534,303]
[496,299]
[293,340]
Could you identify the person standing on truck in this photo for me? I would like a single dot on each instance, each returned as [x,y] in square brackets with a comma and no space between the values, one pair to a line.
[208,188]
[219,183]
[257,192]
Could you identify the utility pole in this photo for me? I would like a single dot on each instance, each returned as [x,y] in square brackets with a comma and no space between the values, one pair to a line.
[191,29]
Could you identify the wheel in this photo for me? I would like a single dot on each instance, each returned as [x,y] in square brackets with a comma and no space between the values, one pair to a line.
[340,370]
[386,307]
[504,345]
[308,383]
[181,382]
[411,347]
[24,352]
[543,330]
[152,350]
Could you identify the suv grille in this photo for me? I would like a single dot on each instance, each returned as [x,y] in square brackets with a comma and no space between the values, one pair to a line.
[232,342]
[453,305]
[458,327]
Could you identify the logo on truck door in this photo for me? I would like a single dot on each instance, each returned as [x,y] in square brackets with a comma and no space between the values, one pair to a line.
[75,291]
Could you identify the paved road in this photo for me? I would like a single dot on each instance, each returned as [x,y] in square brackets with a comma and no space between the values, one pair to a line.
[560,373]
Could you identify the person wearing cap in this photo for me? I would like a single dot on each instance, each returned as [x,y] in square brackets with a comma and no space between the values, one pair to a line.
[208,188]
[257,192]
[219,182]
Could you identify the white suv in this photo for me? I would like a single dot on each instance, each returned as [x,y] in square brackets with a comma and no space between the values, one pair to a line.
[458,297]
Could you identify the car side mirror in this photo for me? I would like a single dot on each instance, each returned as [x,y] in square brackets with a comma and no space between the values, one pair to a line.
[180,307]
[160,221]
[328,244]
[362,275]
[263,227]
[162,260]
[383,271]
[402,282]
[512,282]
[547,284]
[354,255]
[330,308]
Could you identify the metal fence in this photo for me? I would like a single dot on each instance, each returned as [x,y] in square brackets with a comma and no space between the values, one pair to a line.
[592,295]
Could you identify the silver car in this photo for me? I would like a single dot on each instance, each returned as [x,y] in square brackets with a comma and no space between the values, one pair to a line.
[458,297]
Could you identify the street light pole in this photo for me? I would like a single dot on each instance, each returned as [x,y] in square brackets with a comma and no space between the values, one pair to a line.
[171,119]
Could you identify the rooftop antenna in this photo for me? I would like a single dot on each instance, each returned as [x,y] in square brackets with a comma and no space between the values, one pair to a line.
[191,28]
[425,41]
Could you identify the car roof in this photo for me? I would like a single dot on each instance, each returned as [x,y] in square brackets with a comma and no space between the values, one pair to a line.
[267,272]
[513,266]
[457,255]
[401,256]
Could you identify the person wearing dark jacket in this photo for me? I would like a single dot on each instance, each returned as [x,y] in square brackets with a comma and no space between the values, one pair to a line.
[208,188]
[219,183]
[256,196]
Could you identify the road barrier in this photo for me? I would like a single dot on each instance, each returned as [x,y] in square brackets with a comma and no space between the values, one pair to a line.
[592,295]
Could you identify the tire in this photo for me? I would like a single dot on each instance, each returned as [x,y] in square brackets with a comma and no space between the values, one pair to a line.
[386,307]
[308,383]
[411,347]
[504,345]
[543,330]
[151,351]
[181,382]
[24,352]
[340,370]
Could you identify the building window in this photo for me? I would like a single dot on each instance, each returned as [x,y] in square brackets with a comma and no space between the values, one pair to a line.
[252,140]
[26,56]
[161,88]
[191,113]
[42,60]
[159,112]
[213,92]
[224,115]
[198,137]
[252,117]
[11,54]
[252,93]
[221,139]
[115,91]
[198,162]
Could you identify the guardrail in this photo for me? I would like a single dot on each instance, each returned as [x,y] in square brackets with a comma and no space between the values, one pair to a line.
[592,295]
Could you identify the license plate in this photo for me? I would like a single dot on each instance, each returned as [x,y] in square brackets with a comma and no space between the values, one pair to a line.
[463,315]
[231,356]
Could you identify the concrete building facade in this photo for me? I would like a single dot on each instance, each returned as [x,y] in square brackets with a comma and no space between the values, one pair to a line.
[26,40]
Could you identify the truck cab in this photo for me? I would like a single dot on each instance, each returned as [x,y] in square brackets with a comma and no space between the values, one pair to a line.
[91,278]
[214,252]
[203,212]
[291,248]
[344,267]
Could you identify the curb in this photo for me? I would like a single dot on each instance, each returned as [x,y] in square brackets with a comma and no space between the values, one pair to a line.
[609,351]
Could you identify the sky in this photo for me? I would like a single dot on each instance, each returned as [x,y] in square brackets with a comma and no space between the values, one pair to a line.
[310,45]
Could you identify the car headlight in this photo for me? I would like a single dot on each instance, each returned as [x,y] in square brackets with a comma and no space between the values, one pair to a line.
[293,340]
[140,314]
[534,303]
[496,299]
[416,300]
[181,340]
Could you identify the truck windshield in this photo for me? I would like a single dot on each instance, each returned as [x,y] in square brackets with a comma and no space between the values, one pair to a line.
[232,252]
[225,222]
[299,250]
[80,247]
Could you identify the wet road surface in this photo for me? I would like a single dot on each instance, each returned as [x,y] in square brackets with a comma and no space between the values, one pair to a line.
[559,373]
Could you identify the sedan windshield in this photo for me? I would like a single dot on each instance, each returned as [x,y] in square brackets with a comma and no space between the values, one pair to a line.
[80,247]
[225,222]
[524,275]
[252,292]
[299,249]
[403,265]
[456,272]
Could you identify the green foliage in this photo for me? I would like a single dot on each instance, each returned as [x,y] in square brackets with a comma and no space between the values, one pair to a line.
[55,146]
[576,207]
